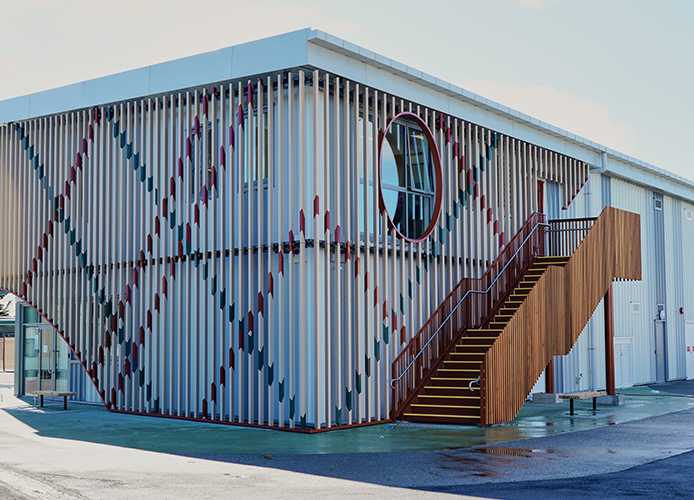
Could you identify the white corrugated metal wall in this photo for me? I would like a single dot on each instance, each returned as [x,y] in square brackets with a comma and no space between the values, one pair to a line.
[632,311]
[635,301]
[687,269]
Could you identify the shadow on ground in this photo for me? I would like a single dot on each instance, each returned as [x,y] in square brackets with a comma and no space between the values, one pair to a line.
[417,456]
[669,478]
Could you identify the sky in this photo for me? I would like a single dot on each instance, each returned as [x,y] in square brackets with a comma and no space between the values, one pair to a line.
[618,72]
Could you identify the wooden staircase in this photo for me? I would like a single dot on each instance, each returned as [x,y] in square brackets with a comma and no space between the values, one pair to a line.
[523,312]
[452,394]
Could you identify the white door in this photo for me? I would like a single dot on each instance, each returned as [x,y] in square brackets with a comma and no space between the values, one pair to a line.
[689,339]
[623,373]
[660,353]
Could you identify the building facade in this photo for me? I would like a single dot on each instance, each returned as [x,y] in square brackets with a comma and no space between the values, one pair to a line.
[254,235]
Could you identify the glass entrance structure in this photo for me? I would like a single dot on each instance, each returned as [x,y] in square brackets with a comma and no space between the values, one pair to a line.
[44,360]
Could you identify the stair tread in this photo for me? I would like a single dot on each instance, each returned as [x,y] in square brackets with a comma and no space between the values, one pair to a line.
[445,396]
[420,405]
[443,387]
[474,370]
[469,417]
[454,378]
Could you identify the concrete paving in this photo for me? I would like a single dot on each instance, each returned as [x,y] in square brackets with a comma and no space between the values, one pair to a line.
[34,465]
[86,452]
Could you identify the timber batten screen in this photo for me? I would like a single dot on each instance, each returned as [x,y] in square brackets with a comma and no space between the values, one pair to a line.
[221,254]
[556,310]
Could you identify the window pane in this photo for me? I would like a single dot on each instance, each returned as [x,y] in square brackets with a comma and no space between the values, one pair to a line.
[31,359]
[31,316]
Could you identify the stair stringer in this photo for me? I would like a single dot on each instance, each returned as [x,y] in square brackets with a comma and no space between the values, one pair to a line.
[557,309]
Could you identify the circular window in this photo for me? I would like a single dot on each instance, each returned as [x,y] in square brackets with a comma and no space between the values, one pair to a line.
[411,177]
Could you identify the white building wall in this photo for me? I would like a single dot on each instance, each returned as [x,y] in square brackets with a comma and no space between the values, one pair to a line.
[634,301]
[632,295]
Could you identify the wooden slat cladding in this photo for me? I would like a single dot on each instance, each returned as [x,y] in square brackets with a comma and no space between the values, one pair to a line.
[557,309]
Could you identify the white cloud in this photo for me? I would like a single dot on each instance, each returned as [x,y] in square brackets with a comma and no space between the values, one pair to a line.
[582,117]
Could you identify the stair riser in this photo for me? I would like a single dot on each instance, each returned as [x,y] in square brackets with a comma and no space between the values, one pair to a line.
[462,357]
[462,365]
[517,298]
[472,350]
[463,384]
[444,420]
[476,342]
[498,324]
[449,401]
[443,410]
[446,373]
[447,391]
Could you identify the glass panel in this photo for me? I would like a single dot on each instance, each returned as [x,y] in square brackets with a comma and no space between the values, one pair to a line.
[393,157]
[31,315]
[62,358]
[32,346]
[391,199]
[417,158]
[46,382]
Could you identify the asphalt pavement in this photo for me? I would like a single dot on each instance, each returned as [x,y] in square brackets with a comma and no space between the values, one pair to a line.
[644,449]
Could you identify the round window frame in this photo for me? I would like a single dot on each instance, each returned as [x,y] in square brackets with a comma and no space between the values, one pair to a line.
[438,172]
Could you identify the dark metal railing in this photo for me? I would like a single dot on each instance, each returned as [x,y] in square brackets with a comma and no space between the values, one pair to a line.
[564,235]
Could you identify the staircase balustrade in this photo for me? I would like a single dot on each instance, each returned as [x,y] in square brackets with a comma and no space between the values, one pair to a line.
[472,303]
[556,310]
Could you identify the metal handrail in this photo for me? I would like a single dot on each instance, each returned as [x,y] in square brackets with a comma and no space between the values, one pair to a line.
[476,381]
[393,381]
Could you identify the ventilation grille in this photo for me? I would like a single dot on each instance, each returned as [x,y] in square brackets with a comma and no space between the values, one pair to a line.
[688,214]
[635,308]
[657,203]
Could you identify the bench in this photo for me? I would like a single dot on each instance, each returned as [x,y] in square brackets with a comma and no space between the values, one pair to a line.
[54,394]
[582,395]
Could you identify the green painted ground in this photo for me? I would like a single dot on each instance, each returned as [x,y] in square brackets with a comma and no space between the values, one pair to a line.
[95,424]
